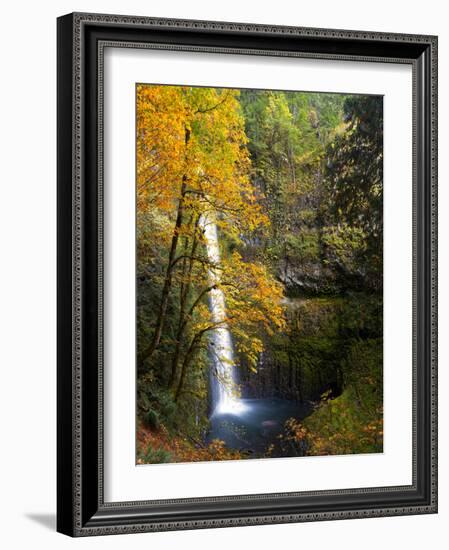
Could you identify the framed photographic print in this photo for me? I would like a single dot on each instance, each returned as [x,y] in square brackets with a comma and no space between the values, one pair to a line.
[246,274]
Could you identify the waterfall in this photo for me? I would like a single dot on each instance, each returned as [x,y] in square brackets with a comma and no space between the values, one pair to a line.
[223,376]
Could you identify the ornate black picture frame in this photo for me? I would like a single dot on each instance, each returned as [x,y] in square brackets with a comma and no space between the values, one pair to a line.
[81,510]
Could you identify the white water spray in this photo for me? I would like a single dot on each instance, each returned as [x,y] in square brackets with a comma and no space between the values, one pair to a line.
[223,380]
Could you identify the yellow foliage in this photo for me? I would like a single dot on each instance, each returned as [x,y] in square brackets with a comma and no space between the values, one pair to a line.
[196,135]
[192,162]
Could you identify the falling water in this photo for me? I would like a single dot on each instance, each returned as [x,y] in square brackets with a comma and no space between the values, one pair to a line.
[223,377]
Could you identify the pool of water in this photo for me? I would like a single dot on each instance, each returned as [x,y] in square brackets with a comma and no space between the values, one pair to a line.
[258,425]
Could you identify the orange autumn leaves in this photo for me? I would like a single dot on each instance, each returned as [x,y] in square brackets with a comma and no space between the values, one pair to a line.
[214,159]
[161,446]
[254,301]
[192,161]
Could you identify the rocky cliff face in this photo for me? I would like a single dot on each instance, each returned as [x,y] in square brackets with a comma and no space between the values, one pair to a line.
[303,362]
[309,278]
[306,360]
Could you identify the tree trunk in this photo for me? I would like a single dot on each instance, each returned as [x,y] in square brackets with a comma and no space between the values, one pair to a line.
[186,363]
[148,352]
[195,342]
[184,294]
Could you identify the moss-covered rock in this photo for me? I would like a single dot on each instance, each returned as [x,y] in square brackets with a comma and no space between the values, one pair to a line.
[352,422]
[309,358]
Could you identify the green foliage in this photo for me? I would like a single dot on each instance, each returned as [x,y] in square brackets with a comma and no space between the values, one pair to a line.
[354,184]
[307,217]
[317,160]
[285,146]
[154,456]
[154,401]
[151,419]
[351,423]
[304,246]
[363,371]
[304,358]
[309,357]
[328,112]
[344,247]
[361,317]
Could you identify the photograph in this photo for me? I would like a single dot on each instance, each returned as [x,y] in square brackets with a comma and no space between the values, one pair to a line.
[221,275]
[246,272]
[259,273]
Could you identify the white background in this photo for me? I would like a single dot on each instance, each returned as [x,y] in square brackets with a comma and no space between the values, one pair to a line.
[28,321]
[123,481]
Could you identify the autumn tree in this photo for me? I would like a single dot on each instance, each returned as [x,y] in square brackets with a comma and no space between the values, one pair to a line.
[193,164]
